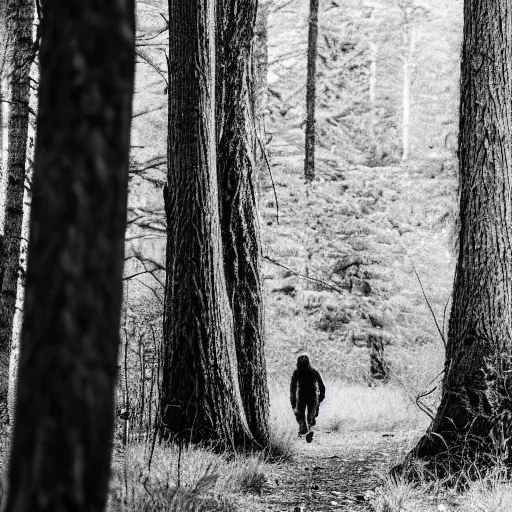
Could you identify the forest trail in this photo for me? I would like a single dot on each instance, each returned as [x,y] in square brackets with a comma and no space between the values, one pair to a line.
[336,472]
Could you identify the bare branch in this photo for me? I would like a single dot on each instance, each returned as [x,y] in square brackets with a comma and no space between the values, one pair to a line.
[298,274]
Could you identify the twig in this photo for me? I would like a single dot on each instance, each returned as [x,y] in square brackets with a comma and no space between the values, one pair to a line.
[139,274]
[149,110]
[423,291]
[424,407]
[444,312]
[270,173]
[429,306]
[282,6]
[298,274]
[152,290]
[148,60]
[158,351]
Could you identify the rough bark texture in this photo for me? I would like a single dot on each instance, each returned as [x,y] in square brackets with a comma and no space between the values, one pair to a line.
[200,397]
[473,422]
[309,162]
[236,168]
[1,123]
[20,16]
[61,448]
[260,91]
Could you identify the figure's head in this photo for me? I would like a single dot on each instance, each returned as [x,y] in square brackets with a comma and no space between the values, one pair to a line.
[303,362]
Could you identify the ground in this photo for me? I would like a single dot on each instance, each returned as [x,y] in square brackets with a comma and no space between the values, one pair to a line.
[336,472]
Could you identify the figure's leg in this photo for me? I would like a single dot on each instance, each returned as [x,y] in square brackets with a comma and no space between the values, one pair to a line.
[313,411]
[311,419]
[300,416]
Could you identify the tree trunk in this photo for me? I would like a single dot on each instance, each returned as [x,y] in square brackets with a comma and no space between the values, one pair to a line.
[200,397]
[61,446]
[474,423]
[238,204]
[309,162]
[406,95]
[2,169]
[260,92]
[20,16]
[374,49]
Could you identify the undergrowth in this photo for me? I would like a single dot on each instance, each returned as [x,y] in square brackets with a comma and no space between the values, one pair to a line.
[187,478]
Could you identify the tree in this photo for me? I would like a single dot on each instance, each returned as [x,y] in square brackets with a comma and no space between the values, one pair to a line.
[474,420]
[410,15]
[236,167]
[309,162]
[20,17]
[200,396]
[61,447]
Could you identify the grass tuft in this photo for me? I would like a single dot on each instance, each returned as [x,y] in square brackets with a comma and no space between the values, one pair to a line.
[193,478]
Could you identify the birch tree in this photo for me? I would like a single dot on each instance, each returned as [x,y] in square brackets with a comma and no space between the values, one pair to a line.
[19,19]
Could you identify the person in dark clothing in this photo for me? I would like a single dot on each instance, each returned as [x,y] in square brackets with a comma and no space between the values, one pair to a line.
[307,390]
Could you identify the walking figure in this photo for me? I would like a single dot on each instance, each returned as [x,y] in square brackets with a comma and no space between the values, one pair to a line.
[307,390]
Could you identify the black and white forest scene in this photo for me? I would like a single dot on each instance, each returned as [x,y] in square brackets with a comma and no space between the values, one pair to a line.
[256,255]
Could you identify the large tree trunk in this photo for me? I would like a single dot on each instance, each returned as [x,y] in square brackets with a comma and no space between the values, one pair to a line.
[474,423]
[61,446]
[260,92]
[309,162]
[238,204]
[200,396]
[1,123]
[20,16]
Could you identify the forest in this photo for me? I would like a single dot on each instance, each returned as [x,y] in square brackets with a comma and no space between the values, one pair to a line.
[255,255]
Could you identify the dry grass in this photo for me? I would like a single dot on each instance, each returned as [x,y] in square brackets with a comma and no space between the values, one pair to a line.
[492,493]
[193,478]
[398,496]
[489,493]
[351,407]
[363,408]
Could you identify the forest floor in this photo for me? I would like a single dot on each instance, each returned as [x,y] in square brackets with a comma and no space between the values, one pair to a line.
[335,472]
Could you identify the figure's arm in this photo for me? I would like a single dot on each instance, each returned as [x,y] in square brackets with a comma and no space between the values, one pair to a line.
[293,389]
[321,386]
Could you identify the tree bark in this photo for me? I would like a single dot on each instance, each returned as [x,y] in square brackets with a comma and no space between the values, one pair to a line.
[200,396]
[309,162]
[61,448]
[474,421]
[236,168]
[2,170]
[20,17]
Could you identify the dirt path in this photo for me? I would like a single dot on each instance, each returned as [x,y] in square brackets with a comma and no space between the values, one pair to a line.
[335,472]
